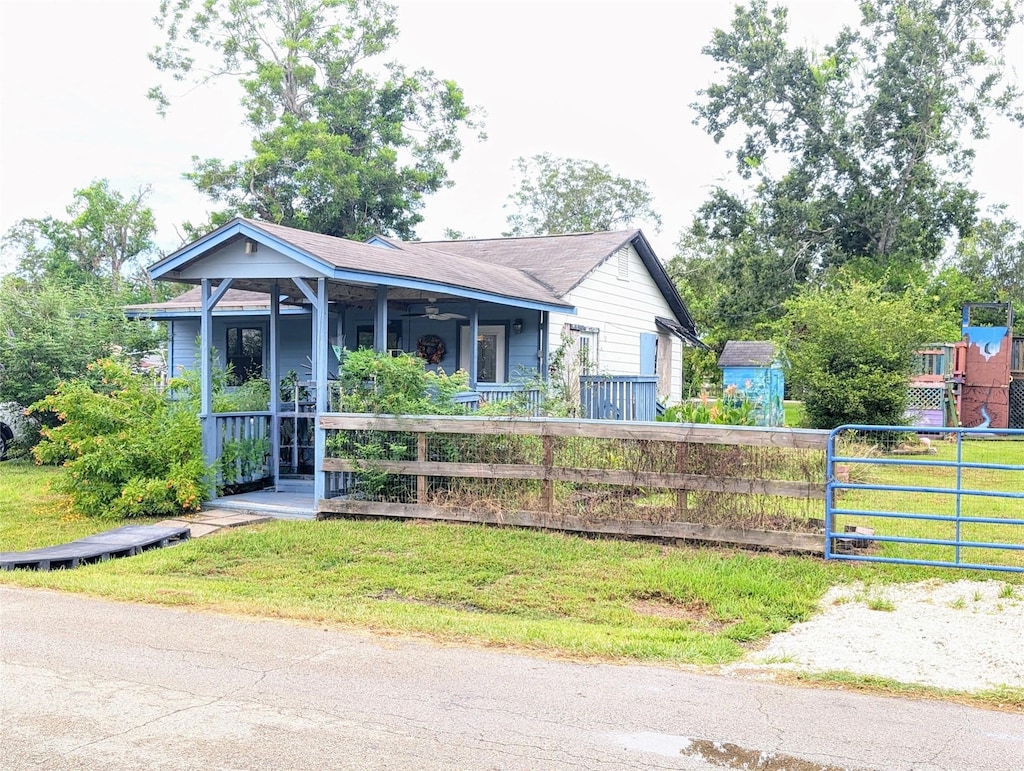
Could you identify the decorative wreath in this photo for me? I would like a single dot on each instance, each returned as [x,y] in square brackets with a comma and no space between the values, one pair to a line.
[430,348]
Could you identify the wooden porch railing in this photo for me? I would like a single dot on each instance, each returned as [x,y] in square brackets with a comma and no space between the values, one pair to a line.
[243,447]
[619,397]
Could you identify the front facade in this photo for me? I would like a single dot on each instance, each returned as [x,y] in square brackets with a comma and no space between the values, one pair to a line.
[282,303]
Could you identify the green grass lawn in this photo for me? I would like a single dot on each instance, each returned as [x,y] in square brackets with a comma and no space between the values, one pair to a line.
[506,587]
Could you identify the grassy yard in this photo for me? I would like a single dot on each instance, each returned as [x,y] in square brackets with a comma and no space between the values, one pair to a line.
[504,587]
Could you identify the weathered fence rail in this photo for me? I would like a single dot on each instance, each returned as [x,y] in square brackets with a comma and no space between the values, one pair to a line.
[645,479]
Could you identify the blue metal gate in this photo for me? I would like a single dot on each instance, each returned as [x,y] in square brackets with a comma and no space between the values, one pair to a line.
[951,497]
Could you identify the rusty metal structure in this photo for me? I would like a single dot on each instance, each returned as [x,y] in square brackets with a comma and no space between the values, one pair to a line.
[982,366]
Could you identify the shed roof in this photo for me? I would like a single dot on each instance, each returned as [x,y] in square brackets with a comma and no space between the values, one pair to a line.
[749,353]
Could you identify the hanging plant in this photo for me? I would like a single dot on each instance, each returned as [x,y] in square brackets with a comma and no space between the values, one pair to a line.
[430,348]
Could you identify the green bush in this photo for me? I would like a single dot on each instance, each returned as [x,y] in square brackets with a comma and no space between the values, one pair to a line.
[850,348]
[396,385]
[126,450]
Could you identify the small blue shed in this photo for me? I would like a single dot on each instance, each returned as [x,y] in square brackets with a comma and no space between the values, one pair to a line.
[754,369]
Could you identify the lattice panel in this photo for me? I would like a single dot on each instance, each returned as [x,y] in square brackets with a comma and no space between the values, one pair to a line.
[922,398]
[1017,403]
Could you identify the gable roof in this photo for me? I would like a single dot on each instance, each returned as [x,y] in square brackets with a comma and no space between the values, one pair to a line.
[562,262]
[535,272]
[749,353]
[363,266]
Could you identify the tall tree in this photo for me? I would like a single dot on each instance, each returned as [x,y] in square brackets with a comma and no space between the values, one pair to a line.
[51,330]
[566,195]
[342,144]
[856,155]
[106,234]
[63,307]
[992,258]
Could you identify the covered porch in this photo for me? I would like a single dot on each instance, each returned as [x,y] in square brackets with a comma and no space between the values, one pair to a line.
[324,295]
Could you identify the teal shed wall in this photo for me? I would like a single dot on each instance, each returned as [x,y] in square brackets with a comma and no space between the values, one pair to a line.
[762,385]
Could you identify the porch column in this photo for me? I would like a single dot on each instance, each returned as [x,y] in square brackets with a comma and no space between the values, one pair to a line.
[474,345]
[206,374]
[380,320]
[210,444]
[275,385]
[320,343]
[544,351]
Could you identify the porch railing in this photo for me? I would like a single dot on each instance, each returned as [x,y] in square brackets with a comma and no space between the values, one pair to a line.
[619,397]
[243,447]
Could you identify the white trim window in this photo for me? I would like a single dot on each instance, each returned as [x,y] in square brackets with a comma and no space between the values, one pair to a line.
[491,357]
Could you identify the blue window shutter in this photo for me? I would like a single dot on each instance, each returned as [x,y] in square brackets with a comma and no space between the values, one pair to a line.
[648,353]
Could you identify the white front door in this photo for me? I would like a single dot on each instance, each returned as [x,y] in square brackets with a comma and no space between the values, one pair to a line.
[490,366]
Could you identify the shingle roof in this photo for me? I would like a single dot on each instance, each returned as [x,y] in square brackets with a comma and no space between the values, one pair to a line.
[748,353]
[418,260]
[559,262]
[233,299]
[541,270]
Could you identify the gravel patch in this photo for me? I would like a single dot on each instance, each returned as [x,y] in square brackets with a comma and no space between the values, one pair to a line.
[965,635]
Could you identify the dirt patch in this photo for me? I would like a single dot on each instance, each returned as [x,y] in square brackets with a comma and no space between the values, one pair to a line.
[964,636]
[695,611]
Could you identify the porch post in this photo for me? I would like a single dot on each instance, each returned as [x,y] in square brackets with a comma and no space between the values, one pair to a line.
[545,353]
[209,299]
[320,342]
[474,345]
[380,320]
[275,385]
[206,376]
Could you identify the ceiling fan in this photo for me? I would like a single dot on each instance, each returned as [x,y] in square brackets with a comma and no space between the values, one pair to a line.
[433,313]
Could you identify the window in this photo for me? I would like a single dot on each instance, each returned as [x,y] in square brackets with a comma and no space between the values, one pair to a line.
[244,354]
[364,336]
[587,342]
[490,366]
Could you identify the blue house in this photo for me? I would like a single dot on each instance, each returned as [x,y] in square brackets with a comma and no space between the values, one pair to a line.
[270,299]
[753,369]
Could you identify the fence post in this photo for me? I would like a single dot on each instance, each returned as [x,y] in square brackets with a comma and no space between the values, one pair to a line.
[421,481]
[549,461]
[682,458]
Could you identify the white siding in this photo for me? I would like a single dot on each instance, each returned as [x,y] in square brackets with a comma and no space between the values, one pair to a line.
[620,309]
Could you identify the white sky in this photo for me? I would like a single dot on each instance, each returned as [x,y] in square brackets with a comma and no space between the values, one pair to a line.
[608,82]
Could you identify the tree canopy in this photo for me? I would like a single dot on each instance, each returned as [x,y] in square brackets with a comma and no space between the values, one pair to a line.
[106,234]
[342,143]
[567,195]
[63,307]
[857,155]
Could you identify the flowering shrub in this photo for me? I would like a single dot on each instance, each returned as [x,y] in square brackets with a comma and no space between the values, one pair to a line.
[731,409]
[126,450]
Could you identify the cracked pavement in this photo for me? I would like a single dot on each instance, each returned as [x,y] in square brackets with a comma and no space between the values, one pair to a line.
[89,684]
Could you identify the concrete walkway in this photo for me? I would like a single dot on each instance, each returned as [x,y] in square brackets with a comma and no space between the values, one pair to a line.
[211,520]
[128,541]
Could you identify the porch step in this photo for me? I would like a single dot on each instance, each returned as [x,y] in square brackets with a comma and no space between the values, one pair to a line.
[277,505]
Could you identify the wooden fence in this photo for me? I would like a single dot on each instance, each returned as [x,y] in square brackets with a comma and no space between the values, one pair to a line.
[633,479]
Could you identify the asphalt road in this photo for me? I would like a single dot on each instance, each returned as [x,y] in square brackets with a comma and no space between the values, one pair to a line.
[88,684]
